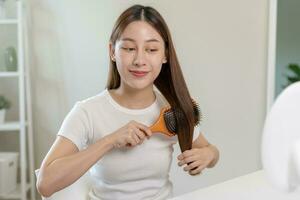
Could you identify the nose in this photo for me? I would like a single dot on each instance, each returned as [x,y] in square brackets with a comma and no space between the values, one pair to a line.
[139,59]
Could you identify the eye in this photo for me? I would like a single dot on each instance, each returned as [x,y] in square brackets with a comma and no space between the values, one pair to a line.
[151,50]
[128,49]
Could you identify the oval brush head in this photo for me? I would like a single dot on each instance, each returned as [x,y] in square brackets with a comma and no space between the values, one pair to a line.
[166,122]
[170,120]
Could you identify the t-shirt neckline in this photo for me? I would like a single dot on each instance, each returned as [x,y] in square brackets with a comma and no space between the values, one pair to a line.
[129,110]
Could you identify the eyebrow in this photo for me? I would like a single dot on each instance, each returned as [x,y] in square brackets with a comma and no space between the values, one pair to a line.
[132,40]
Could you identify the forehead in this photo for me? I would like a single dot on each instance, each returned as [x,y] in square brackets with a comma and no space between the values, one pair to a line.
[140,31]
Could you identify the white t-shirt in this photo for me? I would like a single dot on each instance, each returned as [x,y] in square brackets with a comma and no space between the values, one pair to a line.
[129,173]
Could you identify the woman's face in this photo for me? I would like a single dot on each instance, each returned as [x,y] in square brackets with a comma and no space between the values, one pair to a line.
[139,54]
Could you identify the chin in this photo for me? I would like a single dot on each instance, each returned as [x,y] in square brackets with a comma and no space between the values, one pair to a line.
[140,86]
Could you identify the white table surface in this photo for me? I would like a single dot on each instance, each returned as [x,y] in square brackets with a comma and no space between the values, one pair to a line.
[254,186]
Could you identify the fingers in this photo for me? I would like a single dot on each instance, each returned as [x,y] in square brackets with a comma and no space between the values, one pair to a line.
[194,162]
[136,139]
[136,133]
[136,136]
[192,166]
[141,135]
[186,154]
[198,170]
[144,128]
[187,160]
[132,139]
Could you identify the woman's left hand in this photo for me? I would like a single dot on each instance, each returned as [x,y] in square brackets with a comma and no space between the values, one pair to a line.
[198,159]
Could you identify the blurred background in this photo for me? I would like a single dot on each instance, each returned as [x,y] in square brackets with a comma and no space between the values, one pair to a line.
[222,47]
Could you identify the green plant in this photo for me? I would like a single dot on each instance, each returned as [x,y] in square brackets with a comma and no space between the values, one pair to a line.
[295,71]
[4,103]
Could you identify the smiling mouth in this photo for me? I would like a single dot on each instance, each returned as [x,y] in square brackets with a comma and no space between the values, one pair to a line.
[138,73]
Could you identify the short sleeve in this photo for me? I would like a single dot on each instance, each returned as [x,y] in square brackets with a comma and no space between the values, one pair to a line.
[196,133]
[75,126]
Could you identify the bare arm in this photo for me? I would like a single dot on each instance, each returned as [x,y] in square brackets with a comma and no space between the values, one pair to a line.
[201,142]
[64,163]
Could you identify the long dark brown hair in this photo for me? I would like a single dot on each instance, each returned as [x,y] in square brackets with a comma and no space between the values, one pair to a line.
[170,81]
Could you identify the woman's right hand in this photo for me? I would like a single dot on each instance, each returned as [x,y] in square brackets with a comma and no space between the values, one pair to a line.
[130,135]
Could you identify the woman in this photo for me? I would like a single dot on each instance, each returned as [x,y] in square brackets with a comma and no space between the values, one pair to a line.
[109,134]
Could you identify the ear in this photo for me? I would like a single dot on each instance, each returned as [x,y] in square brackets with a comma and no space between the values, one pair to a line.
[112,52]
[165,60]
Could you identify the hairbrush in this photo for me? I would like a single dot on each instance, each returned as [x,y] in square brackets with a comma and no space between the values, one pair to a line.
[166,122]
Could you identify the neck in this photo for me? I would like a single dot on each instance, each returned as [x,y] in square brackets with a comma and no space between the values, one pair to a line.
[133,98]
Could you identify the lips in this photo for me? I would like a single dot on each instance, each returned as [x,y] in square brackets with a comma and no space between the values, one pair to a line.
[138,73]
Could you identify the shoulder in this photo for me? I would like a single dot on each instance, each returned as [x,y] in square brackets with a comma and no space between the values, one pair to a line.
[93,102]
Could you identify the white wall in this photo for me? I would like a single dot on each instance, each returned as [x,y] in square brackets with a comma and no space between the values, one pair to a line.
[222,48]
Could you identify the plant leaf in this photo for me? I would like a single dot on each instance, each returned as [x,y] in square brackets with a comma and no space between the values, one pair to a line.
[295,68]
[293,79]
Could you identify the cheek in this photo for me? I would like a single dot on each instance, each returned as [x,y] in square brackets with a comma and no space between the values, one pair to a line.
[123,59]
[122,63]
[156,70]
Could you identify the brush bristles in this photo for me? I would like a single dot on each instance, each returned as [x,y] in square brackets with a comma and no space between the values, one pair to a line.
[170,120]
[197,113]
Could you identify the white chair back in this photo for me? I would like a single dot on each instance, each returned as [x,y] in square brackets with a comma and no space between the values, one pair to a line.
[281,140]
